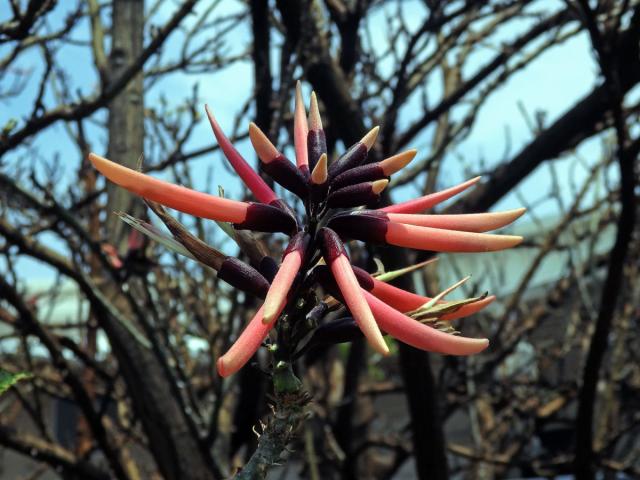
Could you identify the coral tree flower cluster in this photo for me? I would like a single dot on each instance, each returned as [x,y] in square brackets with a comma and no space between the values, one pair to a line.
[340,200]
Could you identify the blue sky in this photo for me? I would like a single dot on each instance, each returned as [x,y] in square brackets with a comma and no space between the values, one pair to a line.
[552,83]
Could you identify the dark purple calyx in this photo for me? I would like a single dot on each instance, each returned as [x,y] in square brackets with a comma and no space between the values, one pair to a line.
[304,171]
[332,246]
[316,146]
[324,277]
[243,277]
[284,206]
[298,243]
[318,192]
[286,174]
[267,218]
[369,227]
[362,173]
[364,278]
[341,330]
[352,158]
[353,196]
[268,267]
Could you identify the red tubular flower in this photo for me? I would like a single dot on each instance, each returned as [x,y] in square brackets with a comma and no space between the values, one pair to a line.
[245,346]
[471,222]
[245,215]
[326,188]
[359,194]
[251,179]
[425,202]
[421,336]
[372,226]
[338,261]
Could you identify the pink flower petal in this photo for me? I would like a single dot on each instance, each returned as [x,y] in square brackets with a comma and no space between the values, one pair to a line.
[252,180]
[300,131]
[419,335]
[352,294]
[405,301]
[276,298]
[173,196]
[440,240]
[336,257]
[421,204]
[245,346]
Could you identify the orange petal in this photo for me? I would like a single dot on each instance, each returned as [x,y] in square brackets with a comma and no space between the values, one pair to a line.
[405,301]
[392,164]
[421,204]
[440,240]
[319,174]
[266,150]
[251,179]
[173,196]
[352,294]
[469,309]
[292,259]
[419,335]
[245,346]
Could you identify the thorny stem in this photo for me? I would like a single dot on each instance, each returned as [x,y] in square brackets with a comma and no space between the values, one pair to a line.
[288,414]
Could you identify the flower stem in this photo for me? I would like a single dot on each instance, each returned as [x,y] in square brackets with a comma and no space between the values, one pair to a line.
[288,415]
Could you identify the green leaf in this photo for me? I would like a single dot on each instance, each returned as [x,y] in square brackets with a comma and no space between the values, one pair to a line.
[428,311]
[154,233]
[8,379]
[393,274]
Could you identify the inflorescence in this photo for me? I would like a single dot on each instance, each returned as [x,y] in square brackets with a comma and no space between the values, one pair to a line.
[339,199]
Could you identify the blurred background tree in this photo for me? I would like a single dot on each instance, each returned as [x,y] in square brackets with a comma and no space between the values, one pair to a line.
[121,336]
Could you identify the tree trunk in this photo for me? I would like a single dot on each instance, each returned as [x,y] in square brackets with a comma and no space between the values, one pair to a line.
[172,438]
[126,111]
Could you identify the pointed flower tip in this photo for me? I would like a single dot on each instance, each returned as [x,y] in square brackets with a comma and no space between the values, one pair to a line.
[515,240]
[300,111]
[315,121]
[370,138]
[518,212]
[251,179]
[212,118]
[266,151]
[319,174]
[379,185]
[425,202]
[396,163]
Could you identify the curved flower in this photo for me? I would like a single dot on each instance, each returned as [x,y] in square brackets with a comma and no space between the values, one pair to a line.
[332,193]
